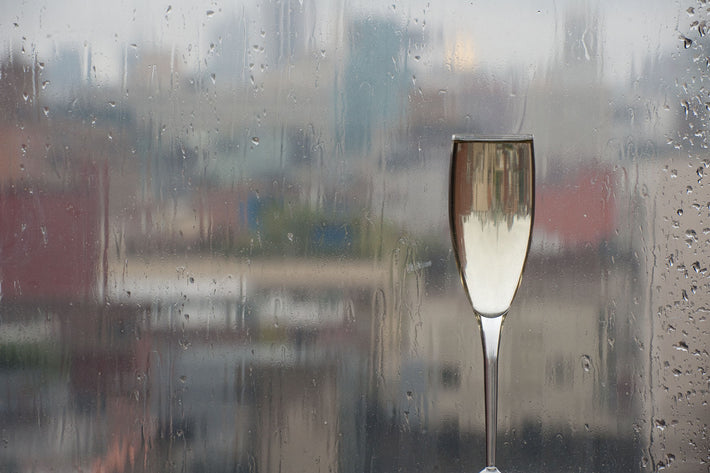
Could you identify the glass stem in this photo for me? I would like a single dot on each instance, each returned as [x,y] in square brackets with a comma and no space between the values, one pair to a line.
[490,336]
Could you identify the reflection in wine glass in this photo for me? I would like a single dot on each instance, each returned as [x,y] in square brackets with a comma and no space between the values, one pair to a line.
[491,200]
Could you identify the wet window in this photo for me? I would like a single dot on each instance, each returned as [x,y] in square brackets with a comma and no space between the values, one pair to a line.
[225,245]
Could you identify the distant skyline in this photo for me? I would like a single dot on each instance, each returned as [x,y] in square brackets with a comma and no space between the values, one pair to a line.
[519,34]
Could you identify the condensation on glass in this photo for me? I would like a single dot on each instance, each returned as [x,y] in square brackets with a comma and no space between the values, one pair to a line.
[224,241]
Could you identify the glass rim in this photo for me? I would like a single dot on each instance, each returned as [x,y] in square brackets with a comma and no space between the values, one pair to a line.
[471,137]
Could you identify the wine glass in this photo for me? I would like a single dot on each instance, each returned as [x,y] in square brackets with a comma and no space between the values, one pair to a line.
[491,200]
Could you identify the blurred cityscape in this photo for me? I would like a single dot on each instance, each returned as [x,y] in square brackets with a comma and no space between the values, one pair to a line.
[247,267]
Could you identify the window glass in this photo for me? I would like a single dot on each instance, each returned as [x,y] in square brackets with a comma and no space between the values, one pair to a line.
[224,240]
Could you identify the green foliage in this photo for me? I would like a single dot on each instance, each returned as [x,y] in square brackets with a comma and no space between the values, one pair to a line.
[299,231]
[27,356]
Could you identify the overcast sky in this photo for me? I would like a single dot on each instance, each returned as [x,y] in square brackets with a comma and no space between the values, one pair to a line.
[469,33]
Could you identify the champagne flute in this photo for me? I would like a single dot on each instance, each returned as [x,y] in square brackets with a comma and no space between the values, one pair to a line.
[491,200]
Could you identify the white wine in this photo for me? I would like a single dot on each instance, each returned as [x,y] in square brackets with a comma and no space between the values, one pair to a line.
[491,210]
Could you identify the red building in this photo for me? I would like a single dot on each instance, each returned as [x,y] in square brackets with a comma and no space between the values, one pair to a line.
[50,239]
[579,211]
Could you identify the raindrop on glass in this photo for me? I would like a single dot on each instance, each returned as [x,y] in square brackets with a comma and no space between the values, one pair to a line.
[586,363]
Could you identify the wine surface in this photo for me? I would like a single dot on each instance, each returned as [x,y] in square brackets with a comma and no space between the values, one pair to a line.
[491,211]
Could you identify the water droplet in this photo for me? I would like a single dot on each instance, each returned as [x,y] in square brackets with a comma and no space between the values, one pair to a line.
[660,424]
[45,84]
[255,140]
[213,77]
[112,104]
[45,111]
[169,9]
[183,378]
[681,346]
[410,395]
[209,13]
[289,236]
[586,363]
[679,212]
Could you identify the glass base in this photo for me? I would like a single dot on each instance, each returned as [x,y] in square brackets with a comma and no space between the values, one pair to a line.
[490,469]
